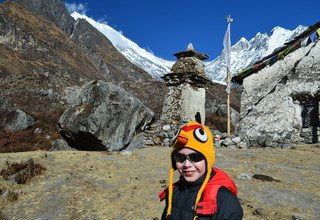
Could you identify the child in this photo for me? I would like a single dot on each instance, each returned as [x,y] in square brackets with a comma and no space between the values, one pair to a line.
[203,191]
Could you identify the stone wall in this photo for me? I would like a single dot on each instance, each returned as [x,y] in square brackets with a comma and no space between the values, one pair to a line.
[184,100]
[189,64]
[193,101]
[271,99]
[185,88]
[172,103]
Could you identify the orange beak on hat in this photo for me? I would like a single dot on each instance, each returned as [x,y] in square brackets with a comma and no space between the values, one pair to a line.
[181,140]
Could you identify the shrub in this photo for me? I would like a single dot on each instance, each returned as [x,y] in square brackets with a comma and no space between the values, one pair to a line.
[217,122]
[21,172]
[28,140]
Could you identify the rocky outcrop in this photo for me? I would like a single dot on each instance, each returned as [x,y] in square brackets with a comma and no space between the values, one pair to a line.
[15,120]
[222,111]
[102,117]
[52,10]
[38,60]
[272,100]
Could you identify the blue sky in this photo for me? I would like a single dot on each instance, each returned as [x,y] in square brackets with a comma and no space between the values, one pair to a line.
[168,26]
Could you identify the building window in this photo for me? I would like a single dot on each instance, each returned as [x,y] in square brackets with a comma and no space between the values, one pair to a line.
[310,114]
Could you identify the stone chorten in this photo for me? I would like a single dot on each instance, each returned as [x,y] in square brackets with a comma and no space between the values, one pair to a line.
[185,92]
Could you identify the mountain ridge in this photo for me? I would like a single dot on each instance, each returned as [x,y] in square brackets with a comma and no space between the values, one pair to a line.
[155,65]
[243,53]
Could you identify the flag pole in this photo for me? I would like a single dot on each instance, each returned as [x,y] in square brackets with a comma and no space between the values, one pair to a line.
[228,106]
[227,53]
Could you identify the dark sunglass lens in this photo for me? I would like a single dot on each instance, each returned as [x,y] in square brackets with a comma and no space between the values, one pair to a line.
[195,157]
[179,157]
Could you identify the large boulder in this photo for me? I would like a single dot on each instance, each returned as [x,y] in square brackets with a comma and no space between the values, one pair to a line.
[15,120]
[102,116]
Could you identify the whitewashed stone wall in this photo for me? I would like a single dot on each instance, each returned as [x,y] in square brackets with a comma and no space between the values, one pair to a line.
[182,102]
[193,101]
[270,108]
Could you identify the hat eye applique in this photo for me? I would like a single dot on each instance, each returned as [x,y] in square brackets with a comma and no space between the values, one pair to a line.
[200,135]
[173,139]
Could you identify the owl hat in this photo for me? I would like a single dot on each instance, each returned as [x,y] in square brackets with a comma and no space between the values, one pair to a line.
[197,137]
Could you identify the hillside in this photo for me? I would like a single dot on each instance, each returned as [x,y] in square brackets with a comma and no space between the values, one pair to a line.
[38,60]
[101,185]
[38,55]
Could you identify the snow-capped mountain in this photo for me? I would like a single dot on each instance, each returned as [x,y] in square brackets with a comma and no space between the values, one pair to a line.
[243,53]
[155,66]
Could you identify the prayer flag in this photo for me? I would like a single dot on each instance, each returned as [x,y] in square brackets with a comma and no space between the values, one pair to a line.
[227,54]
[313,36]
[304,42]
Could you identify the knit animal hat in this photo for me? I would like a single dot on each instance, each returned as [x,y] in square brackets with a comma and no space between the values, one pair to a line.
[198,137]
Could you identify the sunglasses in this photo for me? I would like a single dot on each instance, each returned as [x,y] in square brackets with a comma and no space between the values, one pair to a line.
[193,157]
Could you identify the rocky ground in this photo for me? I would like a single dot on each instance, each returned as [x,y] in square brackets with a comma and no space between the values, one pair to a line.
[104,185]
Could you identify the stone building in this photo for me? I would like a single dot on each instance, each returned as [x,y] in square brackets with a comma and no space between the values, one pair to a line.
[281,94]
[185,87]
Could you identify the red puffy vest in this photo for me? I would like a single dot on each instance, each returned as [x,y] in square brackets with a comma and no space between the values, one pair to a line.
[208,202]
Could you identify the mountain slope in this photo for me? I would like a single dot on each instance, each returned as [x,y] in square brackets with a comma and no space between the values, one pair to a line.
[38,60]
[155,66]
[116,68]
[109,62]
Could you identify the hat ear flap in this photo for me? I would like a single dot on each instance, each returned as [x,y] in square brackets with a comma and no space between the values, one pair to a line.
[170,191]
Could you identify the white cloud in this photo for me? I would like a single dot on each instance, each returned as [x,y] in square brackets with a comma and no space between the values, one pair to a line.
[80,8]
[103,20]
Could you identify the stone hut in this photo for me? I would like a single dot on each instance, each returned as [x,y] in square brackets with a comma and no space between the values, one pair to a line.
[185,87]
[281,94]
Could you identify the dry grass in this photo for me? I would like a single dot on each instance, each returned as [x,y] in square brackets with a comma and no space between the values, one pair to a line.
[101,185]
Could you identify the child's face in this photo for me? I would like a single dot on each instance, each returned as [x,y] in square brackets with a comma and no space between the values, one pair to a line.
[190,171]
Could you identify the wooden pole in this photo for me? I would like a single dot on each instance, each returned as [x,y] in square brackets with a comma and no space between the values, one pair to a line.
[228,106]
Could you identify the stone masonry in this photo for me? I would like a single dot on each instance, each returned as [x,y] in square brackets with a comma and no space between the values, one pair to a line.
[185,88]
